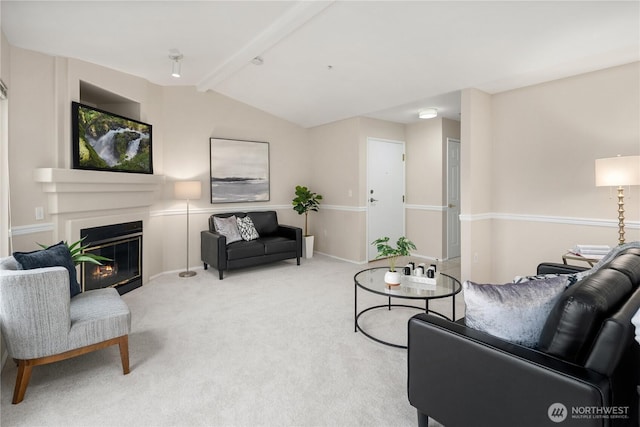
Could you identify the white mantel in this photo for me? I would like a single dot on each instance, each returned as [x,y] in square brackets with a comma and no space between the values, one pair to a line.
[75,190]
[79,199]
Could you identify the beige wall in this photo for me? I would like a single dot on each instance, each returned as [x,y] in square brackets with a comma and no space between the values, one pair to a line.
[527,164]
[183,120]
[556,131]
[4,197]
[427,184]
[476,186]
[528,157]
[186,156]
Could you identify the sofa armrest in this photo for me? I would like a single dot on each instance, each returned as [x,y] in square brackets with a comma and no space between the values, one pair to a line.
[294,233]
[213,249]
[496,382]
[557,268]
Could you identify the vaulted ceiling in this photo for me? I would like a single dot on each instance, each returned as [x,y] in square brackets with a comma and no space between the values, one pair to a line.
[330,60]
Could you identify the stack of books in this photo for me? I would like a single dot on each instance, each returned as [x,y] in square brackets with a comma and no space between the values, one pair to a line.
[591,251]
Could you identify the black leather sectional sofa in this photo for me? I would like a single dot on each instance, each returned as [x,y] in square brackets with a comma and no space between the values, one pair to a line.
[584,371]
[276,242]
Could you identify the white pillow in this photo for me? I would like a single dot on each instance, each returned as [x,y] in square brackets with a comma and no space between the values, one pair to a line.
[515,312]
[228,227]
[247,229]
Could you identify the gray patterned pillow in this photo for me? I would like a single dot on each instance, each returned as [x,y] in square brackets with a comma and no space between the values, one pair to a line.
[515,312]
[247,229]
[228,227]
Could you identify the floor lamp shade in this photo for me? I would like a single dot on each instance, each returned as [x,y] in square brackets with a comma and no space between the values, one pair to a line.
[618,172]
[188,190]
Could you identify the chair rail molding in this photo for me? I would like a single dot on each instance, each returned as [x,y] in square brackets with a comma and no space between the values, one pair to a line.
[596,222]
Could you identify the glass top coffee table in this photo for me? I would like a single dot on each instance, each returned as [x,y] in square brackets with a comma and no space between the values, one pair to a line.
[372,280]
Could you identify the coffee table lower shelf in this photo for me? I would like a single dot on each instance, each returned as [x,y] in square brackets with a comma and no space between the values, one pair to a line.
[388,306]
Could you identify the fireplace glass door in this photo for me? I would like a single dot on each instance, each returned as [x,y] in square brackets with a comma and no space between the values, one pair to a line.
[124,266]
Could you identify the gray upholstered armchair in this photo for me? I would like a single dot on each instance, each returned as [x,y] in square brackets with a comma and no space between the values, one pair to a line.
[41,324]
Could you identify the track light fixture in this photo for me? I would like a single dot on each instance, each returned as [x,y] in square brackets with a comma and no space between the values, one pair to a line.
[176,57]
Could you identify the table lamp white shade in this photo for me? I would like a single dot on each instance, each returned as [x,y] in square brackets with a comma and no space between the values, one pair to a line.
[188,190]
[618,171]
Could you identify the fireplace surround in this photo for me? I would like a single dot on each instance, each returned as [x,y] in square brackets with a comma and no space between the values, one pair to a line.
[122,243]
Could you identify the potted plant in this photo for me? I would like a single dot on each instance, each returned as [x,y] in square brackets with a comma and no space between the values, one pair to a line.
[385,250]
[78,257]
[304,202]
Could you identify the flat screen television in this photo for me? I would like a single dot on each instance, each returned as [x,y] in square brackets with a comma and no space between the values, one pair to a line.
[108,142]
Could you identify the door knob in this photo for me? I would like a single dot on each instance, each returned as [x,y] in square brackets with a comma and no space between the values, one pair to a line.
[373,200]
[451,205]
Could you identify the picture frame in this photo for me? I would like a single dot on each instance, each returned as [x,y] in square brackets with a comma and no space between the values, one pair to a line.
[104,141]
[239,171]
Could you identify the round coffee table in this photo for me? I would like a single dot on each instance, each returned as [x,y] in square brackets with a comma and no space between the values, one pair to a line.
[372,280]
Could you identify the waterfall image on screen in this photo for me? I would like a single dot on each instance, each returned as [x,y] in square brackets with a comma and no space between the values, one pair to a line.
[105,141]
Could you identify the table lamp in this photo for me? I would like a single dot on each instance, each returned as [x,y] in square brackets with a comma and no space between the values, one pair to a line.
[188,190]
[618,172]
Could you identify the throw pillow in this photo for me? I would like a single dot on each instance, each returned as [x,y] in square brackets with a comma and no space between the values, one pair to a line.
[54,256]
[514,312]
[247,229]
[228,227]
[571,278]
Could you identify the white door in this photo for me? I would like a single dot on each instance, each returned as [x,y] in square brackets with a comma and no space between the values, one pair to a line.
[385,191]
[453,198]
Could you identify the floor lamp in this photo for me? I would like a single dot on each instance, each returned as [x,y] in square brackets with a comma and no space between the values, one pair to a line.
[188,190]
[618,172]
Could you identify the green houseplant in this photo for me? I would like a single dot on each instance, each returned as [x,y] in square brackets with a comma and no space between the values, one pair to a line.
[78,256]
[306,201]
[385,250]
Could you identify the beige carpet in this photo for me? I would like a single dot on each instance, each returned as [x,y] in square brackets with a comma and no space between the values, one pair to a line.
[266,346]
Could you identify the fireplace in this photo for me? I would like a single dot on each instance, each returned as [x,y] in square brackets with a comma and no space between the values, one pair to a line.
[122,243]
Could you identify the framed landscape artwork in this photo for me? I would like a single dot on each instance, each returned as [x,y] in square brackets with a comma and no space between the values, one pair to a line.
[239,170]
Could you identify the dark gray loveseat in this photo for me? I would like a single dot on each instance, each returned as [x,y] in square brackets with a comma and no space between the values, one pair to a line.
[276,242]
[585,368]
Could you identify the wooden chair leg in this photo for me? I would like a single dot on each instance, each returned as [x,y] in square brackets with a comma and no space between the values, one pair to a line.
[124,353]
[22,380]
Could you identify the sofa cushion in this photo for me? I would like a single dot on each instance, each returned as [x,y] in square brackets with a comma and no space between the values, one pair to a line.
[228,227]
[247,229]
[57,255]
[614,338]
[277,245]
[629,264]
[579,312]
[244,249]
[515,312]
[266,222]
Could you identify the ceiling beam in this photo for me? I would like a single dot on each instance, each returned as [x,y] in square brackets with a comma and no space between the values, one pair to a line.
[290,21]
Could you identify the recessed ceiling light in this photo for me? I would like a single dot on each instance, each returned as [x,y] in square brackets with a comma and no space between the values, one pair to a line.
[428,113]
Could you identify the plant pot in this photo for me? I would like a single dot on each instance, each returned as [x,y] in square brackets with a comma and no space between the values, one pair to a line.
[307,248]
[392,278]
